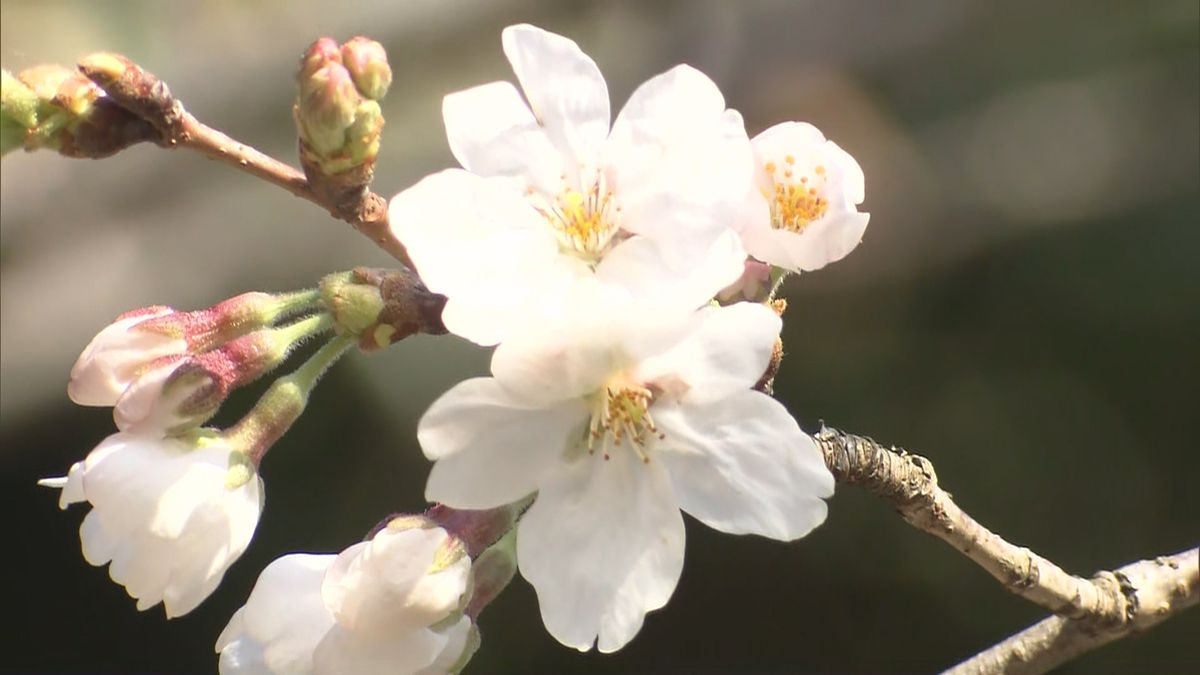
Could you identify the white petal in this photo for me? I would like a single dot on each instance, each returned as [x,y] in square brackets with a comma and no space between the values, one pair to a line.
[98,544]
[457,638]
[853,180]
[282,621]
[348,652]
[390,582]
[824,241]
[493,133]
[565,89]
[675,146]
[479,242]
[602,545]
[727,352]
[491,449]
[557,361]
[659,272]
[742,465]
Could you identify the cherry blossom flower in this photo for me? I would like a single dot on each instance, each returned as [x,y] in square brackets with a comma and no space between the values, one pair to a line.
[391,605]
[804,212]
[169,514]
[551,199]
[617,421]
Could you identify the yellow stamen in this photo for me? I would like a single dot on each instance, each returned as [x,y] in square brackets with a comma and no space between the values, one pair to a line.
[622,411]
[796,202]
[584,222]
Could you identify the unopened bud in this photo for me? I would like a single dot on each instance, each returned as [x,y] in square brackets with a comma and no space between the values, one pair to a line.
[367,62]
[326,109]
[128,346]
[319,54]
[182,392]
[337,117]
[60,109]
[380,306]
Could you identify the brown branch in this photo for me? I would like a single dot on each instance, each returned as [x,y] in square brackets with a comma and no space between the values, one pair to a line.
[142,93]
[1090,611]
[1157,590]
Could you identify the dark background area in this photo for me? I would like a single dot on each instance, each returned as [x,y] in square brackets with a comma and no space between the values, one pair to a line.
[1024,311]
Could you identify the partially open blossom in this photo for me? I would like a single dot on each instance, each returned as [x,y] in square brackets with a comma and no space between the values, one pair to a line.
[803,214]
[169,514]
[390,605]
[617,421]
[552,200]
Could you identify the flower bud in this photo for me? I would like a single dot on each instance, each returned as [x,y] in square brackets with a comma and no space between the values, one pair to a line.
[127,347]
[380,306]
[337,115]
[118,353]
[319,54]
[60,109]
[326,109]
[367,62]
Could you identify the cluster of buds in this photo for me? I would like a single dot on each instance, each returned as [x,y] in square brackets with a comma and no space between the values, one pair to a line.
[337,111]
[174,504]
[57,108]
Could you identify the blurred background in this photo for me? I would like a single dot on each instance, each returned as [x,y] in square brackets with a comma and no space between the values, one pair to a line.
[1024,310]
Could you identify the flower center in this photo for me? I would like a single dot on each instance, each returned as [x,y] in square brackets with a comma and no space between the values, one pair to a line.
[584,222]
[620,413]
[798,199]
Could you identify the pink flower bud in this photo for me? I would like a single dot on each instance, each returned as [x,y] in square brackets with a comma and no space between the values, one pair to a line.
[179,392]
[318,55]
[125,349]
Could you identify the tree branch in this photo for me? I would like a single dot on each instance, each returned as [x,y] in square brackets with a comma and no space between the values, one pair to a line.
[1157,590]
[1090,612]
[142,93]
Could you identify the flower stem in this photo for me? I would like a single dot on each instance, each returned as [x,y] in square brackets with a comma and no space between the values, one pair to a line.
[283,403]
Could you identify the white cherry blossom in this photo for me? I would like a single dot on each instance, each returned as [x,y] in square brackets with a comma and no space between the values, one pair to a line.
[803,213]
[390,605]
[551,199]
[117,354]
[165,514]
[618,420]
